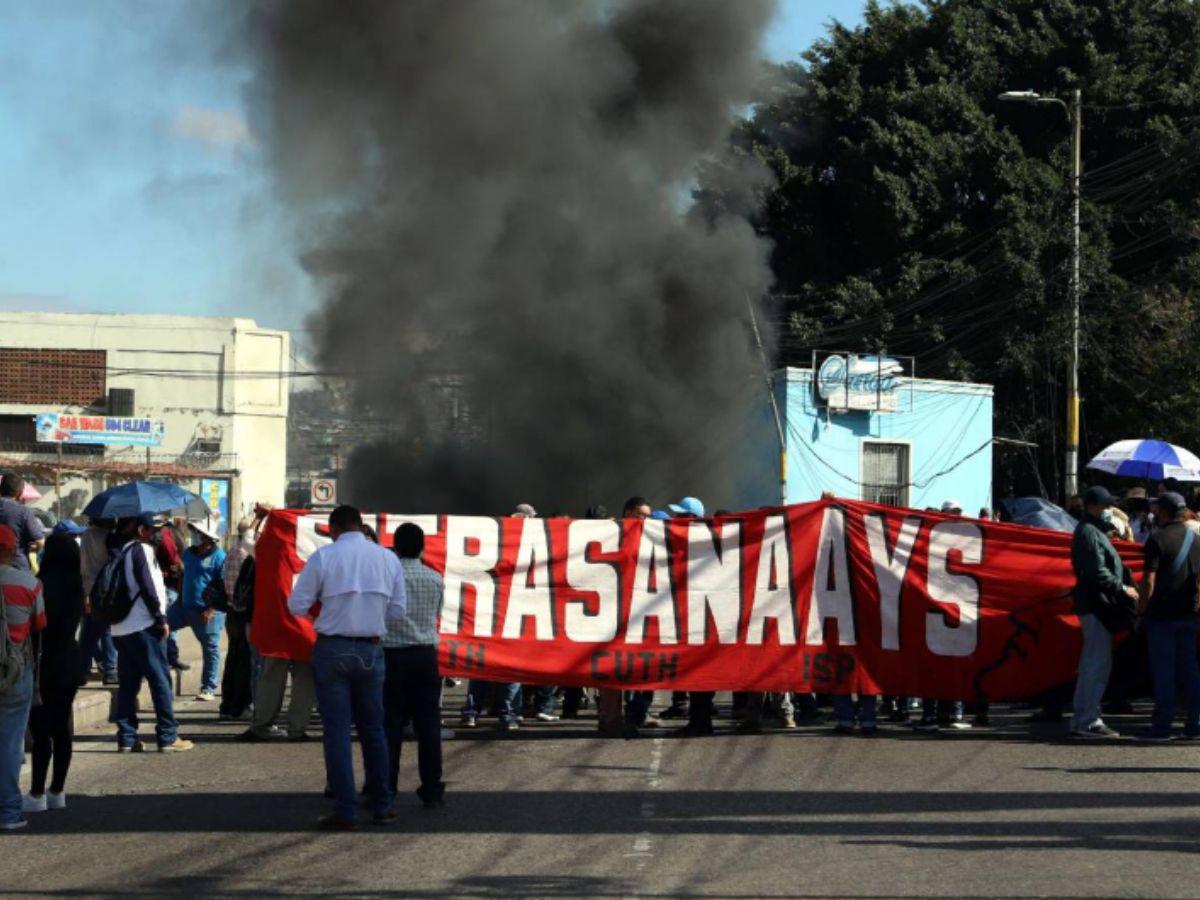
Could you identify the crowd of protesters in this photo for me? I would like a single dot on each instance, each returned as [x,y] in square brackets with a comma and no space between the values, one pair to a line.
[374,669]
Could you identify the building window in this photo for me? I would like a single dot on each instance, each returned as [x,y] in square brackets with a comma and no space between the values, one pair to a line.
[885,471]
[52,378]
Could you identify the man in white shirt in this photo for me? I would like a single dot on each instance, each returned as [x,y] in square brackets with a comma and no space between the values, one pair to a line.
[360,588]
[141,639]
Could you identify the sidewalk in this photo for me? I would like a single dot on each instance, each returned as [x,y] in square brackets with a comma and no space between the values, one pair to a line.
[95,704]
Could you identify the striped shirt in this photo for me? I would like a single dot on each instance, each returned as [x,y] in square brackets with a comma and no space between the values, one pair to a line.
[418,628]
[24,608]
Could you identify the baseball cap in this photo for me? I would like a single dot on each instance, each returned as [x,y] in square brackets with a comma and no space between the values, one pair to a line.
[688,506]
[66,526]
[150,520]
[1170,500]
[660,514]
[8,538]
[525,511]
[1098,495]
[951,506]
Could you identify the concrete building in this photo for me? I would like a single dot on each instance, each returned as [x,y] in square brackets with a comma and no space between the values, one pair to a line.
[199,401]
[861,428]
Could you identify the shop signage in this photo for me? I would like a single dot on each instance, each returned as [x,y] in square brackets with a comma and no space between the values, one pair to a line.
[849,381]
[68,428]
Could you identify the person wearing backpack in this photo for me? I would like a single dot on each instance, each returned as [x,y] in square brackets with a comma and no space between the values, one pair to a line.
[236,682]
[1168,602]
[22,614]
[133,584]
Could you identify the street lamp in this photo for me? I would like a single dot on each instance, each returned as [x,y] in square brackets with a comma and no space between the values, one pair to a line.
[1075,117]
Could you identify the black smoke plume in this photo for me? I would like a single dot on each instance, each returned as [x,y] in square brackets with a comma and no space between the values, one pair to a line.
[492,199]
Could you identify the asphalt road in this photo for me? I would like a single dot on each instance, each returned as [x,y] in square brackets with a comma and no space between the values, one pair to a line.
[553,811]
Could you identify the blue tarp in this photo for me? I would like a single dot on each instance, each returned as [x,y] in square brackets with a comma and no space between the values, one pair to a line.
[1038,513]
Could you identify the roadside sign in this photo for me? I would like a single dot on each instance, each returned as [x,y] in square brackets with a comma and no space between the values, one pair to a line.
[324,492]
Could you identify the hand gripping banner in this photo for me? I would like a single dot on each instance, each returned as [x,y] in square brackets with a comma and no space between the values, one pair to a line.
[835,597]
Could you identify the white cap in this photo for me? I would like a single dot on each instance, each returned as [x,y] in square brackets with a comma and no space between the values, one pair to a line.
[207,527]
[952,506]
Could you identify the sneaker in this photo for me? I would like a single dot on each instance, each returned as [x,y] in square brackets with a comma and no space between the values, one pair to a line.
[650,722]
[510,726]
[959,725]
[56,801]
[179,746]
[206,696]
[110,680]
[135,747]
[336,823]
[387,817]
[469,722]
[1095,730]
[787,722]
[298,738]
[31,803]
[451,682]
[13,826]
[547,717]
[250,736]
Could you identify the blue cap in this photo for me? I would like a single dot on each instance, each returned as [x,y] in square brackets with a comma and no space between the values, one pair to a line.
[66,526]
[1098,495]
[688,506]
[149,520]
[660,514]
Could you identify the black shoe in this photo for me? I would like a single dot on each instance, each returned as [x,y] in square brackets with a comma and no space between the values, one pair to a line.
[180,666]
[298,738]
[110,681]
[135,747]
[387,817]
[336,823]
[674,712]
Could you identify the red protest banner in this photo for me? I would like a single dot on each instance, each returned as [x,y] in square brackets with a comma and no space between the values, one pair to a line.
[836,596]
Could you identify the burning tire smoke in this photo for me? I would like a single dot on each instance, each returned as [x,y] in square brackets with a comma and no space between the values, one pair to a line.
[490,194]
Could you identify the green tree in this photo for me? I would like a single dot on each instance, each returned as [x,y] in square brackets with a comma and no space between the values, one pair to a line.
[913,212]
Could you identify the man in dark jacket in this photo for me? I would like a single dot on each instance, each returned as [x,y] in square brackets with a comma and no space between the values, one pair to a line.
[1099,572]
[1169,600]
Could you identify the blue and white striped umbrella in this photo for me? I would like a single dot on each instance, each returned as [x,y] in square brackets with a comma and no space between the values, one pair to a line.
[1154,460]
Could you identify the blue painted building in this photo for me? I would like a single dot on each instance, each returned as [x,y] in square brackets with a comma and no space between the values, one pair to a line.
[864,430]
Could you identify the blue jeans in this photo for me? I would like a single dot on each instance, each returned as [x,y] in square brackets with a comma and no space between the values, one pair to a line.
[509,702]
[1172,646]
[1095,665]
[95,643]
[208,634]
[349,676]
[143,654]
[14,716]
[843,708]
[543,699]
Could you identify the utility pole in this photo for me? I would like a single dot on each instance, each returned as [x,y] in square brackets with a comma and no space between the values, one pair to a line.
[1074,111]
[1071,481]
[766,366]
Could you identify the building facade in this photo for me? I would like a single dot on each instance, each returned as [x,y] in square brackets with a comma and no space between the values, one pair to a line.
[204,402]
[867,431]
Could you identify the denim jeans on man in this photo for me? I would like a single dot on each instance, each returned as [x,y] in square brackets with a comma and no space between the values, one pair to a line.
[844,709]
[412,693]
[1172,645]
[1095,665]
[349,676]
[96,645]
[14,716]
[143,655]
[208,634]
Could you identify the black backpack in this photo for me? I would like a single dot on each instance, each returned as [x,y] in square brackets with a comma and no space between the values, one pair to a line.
[242,600]
[111,599]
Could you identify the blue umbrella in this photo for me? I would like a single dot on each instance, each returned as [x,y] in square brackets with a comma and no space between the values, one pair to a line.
[136,498]
[1149,459]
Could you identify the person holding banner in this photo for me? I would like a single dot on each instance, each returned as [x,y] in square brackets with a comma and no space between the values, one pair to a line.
[1099,572]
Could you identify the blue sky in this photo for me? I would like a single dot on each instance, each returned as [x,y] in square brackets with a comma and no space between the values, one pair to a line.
[130,181]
